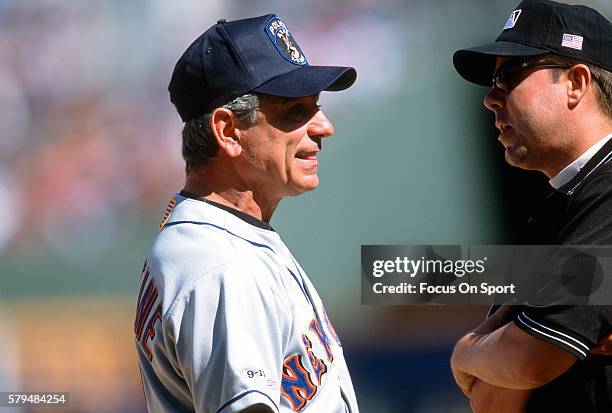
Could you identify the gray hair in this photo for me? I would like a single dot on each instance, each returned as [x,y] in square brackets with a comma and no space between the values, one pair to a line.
[199,143]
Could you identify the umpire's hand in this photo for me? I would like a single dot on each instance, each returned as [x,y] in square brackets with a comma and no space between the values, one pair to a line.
[604,347]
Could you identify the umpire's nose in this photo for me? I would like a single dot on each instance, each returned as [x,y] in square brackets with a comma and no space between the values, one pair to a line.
[495,99]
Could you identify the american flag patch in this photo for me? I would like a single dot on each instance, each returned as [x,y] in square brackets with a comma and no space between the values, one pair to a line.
[572,41]
[169,208]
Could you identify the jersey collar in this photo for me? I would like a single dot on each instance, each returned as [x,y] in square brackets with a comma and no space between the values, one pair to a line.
[575,173]
[249,219]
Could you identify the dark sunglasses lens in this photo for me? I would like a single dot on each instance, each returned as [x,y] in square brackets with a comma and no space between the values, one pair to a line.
[500,80]
[506,78]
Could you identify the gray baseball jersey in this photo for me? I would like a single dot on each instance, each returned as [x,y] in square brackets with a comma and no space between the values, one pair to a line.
[226,318]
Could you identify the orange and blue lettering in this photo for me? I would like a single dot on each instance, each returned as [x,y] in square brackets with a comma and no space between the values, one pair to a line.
[145,304]
[296,385]
[317,364]
[315,326]
[149,332]
[147,297]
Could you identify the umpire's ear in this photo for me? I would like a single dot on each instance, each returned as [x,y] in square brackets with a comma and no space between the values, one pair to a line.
[225,127]
[578,81]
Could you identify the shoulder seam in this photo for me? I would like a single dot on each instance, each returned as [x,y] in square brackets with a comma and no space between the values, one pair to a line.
[187,289]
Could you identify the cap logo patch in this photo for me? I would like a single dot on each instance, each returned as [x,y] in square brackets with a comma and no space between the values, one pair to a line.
[284,42]
[512,19]
[572,41]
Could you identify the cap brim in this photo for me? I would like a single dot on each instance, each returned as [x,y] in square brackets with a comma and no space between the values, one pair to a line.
[477,64]
[309,80]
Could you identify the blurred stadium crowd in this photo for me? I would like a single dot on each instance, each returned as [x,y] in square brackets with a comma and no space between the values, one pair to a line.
[88,135]
[83,137]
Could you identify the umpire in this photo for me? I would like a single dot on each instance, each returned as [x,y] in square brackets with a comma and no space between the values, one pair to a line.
[550,73]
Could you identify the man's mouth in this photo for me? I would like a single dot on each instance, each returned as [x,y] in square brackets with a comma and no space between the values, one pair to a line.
[505,132]
[307,159]
[307,155]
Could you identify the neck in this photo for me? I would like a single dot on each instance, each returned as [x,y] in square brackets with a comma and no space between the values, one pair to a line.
[215,186]
[580,137]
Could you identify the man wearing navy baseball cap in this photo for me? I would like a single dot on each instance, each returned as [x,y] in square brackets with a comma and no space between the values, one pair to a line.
[227,320]
[256,55]
[550,79]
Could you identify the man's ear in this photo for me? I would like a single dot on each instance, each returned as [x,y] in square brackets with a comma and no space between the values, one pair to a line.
[224,127]
[578,82]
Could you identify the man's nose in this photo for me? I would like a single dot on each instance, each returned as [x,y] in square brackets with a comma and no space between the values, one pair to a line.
[320,126]
[495,99]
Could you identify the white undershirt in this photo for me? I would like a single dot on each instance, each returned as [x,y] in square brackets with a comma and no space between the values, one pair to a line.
[571,170]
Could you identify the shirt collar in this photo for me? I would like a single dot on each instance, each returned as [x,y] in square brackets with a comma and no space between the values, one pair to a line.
[571,170]
[240,214]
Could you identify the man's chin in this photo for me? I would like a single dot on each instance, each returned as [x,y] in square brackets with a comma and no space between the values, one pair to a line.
[306,184]
[516,157]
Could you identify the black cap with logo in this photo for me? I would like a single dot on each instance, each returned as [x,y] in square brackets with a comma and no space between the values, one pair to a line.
[539,27]
[258,54]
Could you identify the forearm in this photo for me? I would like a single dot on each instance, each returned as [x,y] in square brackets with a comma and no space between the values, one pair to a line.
[510,358]
[498,319]
[486,398]
[480,355]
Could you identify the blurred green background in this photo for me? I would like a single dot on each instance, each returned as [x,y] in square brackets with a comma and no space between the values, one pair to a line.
[90,153]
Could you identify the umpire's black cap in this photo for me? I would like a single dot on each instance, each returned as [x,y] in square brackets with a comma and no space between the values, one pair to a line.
[258,54]
[539,27]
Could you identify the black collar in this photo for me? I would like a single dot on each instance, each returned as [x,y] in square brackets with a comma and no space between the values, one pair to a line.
[602,156]
[249,219]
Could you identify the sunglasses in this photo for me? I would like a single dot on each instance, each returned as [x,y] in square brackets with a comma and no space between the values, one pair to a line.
[509,76]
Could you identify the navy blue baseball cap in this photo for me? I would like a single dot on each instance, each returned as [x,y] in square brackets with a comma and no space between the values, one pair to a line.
[539,27]
[258,54]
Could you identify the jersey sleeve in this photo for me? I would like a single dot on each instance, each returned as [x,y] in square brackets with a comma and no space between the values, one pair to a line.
[229,340]
[576,329]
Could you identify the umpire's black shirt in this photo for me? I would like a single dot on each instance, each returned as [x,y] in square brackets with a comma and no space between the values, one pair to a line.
[578,213]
